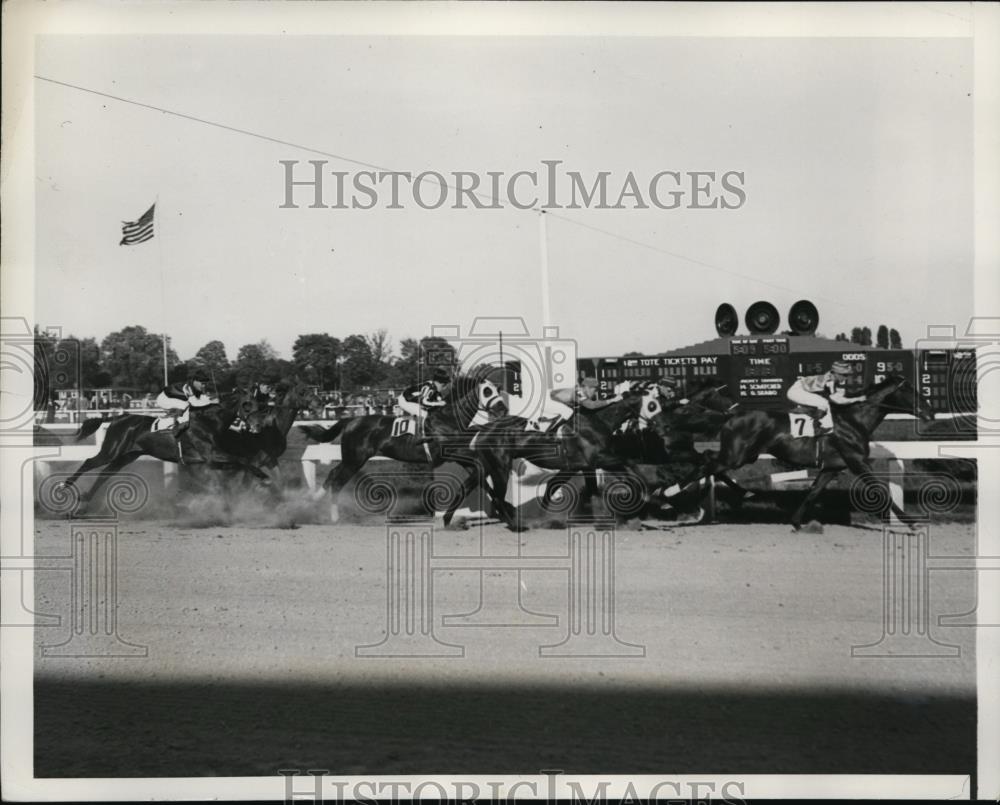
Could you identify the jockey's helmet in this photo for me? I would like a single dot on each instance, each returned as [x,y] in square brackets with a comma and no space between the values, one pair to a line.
[842,368]
[440,376]
[589,383]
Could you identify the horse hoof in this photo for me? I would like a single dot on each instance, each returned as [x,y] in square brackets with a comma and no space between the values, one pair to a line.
[334,513]
[692,519]
[812,527]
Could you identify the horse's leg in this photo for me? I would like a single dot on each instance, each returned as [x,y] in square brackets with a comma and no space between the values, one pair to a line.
[737,488]
[556,482]
[475,479]
[499,468]
[91,463]
[590,490]
[105,475]
[117,441]
[824,477]
[862,469]
[222,460]
[629,472]
[710,465]
[337,479]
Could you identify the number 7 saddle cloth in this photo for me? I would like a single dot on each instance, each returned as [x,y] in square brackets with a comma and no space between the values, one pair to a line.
[801,423]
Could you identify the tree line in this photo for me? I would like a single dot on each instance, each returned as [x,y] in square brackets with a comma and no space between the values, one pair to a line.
[885,338]
[132,358]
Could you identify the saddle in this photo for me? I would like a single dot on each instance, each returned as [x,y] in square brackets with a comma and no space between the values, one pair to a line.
[170,422]
[554,425]
[804,423]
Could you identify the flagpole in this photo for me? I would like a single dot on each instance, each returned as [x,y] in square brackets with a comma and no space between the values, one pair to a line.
[163,293]
[543,245]
[503,365]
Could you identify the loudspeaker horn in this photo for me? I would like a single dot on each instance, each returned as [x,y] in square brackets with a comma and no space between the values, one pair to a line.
[803,318]
[762,318]
[726,320]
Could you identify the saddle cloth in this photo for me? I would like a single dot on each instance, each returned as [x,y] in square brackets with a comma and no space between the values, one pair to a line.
[801,424]
[405,426]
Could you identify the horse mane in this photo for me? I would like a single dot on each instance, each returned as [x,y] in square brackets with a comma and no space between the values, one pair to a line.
[702,384]
[890,380]
[462,385]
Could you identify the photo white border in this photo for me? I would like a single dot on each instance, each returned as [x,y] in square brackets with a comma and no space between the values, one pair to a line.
[24,20]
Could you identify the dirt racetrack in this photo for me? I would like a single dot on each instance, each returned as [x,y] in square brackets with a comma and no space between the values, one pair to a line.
[251,668]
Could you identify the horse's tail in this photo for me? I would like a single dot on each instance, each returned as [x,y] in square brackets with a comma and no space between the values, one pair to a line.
[320,434]
[88,427]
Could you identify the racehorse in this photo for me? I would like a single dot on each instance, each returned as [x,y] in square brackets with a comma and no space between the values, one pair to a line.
[665,440]
[447,433]
[663,435]
[583,448]
[130,436]
[675,423]
[747,435]
[267,437]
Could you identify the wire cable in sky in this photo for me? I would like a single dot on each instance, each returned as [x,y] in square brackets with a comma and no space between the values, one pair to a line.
[492,199]
[702,263]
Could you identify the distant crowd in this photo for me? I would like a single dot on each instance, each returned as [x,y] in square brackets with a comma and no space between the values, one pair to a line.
[337,405]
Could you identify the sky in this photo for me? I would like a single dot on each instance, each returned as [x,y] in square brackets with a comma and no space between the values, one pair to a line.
[856,156]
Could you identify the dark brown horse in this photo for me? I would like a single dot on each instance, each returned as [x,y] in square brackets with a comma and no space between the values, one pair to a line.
[266,440]
[130,436]
[583,447]
[747,435]
[447,433]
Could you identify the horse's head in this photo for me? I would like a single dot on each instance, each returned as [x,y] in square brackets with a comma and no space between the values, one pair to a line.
[650,401]
[474,399]
[490,398]
[302,397]
[242,403]
[713,397]
[898,394]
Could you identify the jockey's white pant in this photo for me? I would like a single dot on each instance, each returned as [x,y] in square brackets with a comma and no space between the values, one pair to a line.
[554,414]
[170,404]
[800,396]
[411,408]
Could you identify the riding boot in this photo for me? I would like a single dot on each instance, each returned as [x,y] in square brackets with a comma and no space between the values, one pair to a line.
[822,424]
[178,433]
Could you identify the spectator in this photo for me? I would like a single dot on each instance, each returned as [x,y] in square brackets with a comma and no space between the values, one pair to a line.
[126,401]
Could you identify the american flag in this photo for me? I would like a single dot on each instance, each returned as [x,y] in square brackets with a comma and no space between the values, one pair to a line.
[138,231]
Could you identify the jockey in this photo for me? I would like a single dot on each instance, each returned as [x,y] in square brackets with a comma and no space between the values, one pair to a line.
[668,387]
[809,391]
[418,399]
[669,399]
[177,398]
[583,395]
[263,392]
